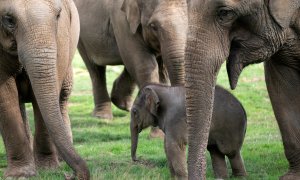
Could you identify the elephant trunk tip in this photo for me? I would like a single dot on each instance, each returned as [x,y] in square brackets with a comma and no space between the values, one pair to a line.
[134,139]
[133,157]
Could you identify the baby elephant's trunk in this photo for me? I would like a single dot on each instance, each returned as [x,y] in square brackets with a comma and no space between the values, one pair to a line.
[134,139]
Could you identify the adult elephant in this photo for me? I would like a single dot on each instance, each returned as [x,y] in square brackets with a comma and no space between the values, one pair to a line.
[243,32]
[134,33]
[38,39]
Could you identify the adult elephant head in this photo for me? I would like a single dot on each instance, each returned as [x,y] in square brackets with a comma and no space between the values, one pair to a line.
[163,26]
[42,35]
[243,32]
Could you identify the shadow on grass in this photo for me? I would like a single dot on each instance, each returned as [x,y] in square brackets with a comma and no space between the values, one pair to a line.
[83,122]
[92,137]
[150,163]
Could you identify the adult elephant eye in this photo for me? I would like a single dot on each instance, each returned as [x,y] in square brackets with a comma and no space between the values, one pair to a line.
[225,15]
[9,21]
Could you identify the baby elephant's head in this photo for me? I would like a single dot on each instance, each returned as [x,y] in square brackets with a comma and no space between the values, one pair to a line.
[143,115]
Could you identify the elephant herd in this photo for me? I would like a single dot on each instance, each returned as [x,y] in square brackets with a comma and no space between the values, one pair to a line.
[188,39]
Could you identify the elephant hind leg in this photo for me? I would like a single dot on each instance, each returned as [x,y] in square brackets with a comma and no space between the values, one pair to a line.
[26,123]
[64,97]
[122,91]
[218,163]
[101,97]
[237,165]
[63,102]
[45,152]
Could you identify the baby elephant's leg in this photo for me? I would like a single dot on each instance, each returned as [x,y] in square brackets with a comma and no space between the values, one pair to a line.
[218,163]
[176,158]
[237,165]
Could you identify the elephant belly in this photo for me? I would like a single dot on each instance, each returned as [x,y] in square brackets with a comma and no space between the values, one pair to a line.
[101,60]
[101,50]
[24,87]
[96,33]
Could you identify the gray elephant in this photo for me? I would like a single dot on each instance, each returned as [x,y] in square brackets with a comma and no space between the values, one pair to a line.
[164,106]
[136,34]
[243,32]
[38,39]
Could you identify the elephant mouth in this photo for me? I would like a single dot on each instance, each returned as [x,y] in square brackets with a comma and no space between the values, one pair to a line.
[12,48]
[241,55]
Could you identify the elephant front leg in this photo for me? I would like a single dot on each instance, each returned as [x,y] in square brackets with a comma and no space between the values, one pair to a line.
[175,152]
[122,91]
[17,144]
[283,85]
[45,153]
[102,100]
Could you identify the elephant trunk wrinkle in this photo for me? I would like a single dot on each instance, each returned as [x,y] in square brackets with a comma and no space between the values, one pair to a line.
[174,59]
[40,60]
[203,59]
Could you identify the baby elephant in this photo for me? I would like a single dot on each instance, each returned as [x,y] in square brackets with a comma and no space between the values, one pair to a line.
[164,106]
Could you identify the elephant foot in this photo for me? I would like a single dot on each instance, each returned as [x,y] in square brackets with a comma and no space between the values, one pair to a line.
[47,162]
[20,172]
[239,175]
[103,112]
[156,133]
[123,103]
[290,176]
[225,176]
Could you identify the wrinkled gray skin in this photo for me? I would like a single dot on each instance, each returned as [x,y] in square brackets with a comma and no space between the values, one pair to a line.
[243,32]
[38,39]
[164,106]
[135,33]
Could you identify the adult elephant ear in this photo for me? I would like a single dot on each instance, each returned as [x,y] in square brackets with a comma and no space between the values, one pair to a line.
[283,10]
[133,14]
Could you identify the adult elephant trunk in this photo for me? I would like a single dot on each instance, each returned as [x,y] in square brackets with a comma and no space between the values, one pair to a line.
[37,49]
[173,42]
[202,63]
[134,139]
[173,56]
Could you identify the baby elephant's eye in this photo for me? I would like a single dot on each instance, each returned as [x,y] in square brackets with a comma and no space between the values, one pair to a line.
[134,112]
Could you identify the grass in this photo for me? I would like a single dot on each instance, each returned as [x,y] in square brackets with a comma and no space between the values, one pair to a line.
[105,145]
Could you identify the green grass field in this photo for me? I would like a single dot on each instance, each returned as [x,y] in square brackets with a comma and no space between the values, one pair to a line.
[105,145]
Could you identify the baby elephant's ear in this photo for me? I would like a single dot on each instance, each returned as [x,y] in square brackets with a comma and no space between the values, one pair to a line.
[133,15]
[283,10]
[152,101]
